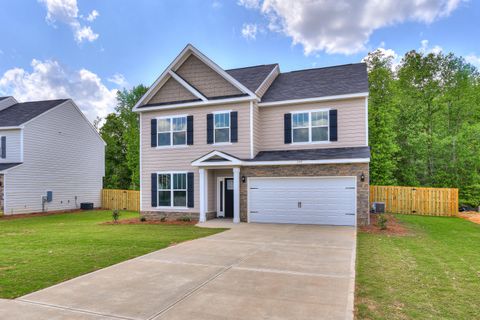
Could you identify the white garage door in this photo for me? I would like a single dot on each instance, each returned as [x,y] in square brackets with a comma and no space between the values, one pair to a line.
[302,200]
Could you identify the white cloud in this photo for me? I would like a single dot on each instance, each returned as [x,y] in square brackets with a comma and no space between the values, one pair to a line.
[118,79]
[50,80]
[249,31]
[66,11]
[473,59]
[344,26]
[424,48]
[92,16]
[249,4]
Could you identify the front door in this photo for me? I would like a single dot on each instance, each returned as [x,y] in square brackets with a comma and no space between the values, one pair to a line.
[228,197]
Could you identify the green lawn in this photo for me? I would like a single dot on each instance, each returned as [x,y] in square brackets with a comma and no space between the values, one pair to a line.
[38,252]
[432,274]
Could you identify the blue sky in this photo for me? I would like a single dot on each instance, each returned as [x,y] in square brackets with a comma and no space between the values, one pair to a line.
[89,49]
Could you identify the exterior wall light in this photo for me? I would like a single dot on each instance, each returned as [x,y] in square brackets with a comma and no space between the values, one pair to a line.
[362,177]
[244,179]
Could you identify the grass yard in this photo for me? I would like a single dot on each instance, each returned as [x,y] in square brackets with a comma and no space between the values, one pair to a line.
[38,252]
[433,273]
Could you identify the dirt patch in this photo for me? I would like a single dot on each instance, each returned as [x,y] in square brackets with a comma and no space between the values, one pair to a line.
[394,227]
[472,216]
[138,221]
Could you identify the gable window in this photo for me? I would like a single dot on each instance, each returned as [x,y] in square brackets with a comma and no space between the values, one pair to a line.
[311,126]
[222,127]
[172,131]
[172,190]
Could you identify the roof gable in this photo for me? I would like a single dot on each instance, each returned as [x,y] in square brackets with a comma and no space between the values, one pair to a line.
[193,60]
[21,113]
[252,77]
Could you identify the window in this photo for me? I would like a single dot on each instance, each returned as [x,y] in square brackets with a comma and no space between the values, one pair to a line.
[3,147]
[221,127]
[172,131]
[172,190]
[310,126]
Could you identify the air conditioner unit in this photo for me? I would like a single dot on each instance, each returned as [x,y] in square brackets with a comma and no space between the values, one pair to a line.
[378,207]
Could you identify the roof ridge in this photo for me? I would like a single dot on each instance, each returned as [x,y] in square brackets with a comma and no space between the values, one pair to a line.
[256,66]
[327,67]
[48,100]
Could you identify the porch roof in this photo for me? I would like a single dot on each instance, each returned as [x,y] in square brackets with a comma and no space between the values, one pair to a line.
[5,166]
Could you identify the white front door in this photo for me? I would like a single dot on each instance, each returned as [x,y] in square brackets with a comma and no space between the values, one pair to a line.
[316,200]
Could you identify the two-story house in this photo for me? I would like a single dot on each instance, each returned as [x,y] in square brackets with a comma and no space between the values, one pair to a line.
[255,144]
[51,157]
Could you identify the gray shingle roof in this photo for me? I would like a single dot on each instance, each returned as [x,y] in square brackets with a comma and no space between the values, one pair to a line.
[313,154]
[319,82]
[252,77]
[20,113]
[5,166]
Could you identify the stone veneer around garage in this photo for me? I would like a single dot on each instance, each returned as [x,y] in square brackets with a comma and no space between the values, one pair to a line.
[354,169]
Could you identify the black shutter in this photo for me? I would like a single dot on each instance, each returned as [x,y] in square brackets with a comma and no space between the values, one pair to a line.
[4,147]
[154,190]
[234,126]
[333,125]
[190,194]
[153,132]
[287,126]
[190,130]
[210,128]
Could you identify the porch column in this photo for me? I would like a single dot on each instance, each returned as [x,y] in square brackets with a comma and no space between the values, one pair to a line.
[202,196]
[236,195]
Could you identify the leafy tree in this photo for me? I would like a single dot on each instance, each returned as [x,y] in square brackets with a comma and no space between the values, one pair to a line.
[122,135]
[381,117]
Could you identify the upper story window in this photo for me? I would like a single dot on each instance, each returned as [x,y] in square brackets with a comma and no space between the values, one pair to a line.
[172,131]
[311,126]
[222,127]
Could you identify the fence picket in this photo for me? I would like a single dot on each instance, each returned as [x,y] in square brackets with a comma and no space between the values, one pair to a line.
[116,199]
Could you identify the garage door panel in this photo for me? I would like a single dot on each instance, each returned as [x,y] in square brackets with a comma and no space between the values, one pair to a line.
[302,200]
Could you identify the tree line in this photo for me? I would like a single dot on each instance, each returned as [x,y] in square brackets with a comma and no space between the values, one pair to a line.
[424,125]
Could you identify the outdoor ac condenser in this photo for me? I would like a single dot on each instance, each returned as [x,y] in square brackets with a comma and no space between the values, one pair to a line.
[378,207]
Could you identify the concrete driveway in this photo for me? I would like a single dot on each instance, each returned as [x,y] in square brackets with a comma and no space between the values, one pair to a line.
[253,271]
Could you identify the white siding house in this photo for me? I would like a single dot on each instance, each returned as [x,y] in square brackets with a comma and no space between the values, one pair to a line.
[50,146]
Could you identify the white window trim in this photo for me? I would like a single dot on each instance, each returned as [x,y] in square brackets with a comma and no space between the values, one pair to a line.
[229,128]
[171,173]
[309,126]
[171,145]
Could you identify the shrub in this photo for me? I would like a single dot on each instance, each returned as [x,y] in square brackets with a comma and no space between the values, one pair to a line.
[470,195]
[143,219]
[382,222]
[185,219]
[115,215]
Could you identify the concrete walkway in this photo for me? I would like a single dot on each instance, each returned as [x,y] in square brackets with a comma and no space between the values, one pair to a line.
[253,271]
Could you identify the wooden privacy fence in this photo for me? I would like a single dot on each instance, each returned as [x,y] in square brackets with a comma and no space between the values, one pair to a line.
[121,199]
[413,200]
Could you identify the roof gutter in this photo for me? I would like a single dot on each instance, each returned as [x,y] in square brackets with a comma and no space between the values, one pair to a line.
[317,99]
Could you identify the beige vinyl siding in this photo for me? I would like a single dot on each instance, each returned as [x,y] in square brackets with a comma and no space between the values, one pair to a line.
[63,154]
[171,91]
[256,129]
[179,158]
[205,79]
[14,145]
[351,125]
[264,87]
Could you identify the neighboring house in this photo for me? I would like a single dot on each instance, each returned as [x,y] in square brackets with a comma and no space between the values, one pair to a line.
[51,157]
[255,144]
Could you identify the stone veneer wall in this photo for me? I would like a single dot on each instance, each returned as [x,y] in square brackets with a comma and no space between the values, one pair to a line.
[174,215]
[355,169]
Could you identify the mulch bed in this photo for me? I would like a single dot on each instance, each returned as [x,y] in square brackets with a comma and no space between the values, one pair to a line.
[472,216]
[138,221]
[394,227]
